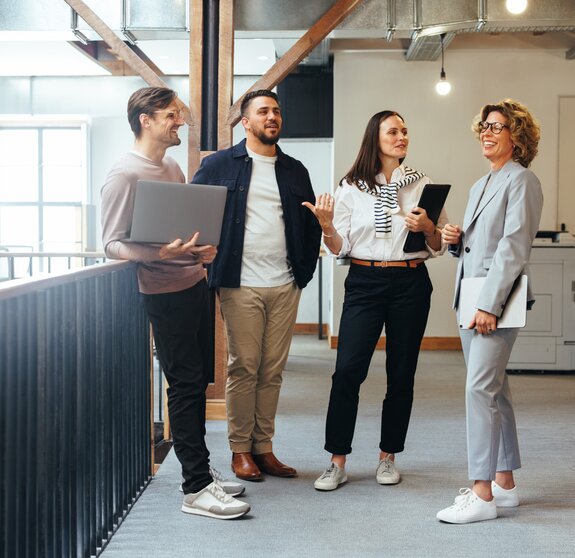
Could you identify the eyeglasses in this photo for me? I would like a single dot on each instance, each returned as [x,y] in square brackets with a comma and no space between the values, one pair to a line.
[496,127]
[172,114]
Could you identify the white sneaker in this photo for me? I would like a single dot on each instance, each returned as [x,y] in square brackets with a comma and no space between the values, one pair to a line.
[387,472]
[231,488]
[331,478]
[505,498]
[468,508]
[212,501]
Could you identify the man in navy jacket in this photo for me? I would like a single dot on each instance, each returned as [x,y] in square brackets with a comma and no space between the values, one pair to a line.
[267,253]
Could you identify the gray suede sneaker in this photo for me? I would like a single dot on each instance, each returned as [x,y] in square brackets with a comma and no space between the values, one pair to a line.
[331,478]
[231,488]
[387,473]
[212,501]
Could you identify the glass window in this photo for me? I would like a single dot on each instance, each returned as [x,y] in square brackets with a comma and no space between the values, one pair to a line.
[18,183]
[62,229]
[43,186]
[18,165]
[19,227]
[64,184]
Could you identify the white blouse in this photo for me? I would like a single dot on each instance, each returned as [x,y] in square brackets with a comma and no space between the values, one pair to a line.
[354,220]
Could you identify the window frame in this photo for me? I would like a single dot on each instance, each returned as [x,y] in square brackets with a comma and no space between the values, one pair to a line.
[41,124]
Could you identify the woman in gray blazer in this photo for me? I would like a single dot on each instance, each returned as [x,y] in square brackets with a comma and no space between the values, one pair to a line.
[500,223]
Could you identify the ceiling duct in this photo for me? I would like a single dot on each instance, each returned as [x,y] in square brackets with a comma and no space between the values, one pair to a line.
[415,24]
[427,48]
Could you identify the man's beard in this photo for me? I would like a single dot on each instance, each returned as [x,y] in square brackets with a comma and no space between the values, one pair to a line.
[266,140]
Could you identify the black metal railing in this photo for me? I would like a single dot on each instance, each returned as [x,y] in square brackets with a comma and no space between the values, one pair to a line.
[75,393]
[16,263]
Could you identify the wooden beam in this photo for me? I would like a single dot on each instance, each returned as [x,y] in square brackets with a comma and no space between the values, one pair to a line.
[196,11]
[225,72]
[316,33]
[116,45]
[121,50]
[99,53]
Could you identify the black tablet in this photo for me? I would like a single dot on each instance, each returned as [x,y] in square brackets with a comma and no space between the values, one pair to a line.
[432,200]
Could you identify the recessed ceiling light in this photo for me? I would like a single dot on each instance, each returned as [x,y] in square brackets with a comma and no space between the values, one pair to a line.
[263,57]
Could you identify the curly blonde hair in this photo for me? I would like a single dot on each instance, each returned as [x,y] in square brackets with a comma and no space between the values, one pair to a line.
[524,129]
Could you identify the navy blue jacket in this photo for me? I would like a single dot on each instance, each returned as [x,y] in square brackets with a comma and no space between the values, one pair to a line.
[233,168]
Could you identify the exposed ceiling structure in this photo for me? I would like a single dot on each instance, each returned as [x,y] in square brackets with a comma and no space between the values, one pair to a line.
[37,36]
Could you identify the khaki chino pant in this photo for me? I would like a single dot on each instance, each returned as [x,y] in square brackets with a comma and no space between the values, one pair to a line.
[259,324]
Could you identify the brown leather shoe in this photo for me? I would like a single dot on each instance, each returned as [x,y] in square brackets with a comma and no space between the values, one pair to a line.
[244,467]
[271,465]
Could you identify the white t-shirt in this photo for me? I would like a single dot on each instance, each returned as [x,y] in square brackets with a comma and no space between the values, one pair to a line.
[264,259]
[354,219]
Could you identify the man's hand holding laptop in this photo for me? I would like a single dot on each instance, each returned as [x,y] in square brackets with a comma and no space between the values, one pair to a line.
[178,248]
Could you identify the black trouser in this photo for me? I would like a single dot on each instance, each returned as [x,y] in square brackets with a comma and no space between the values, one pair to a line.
[180,322]
[398,298]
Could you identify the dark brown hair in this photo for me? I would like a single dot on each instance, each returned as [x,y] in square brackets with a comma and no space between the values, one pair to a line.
[367,163]
[145,101]
[248,97]
[524,129]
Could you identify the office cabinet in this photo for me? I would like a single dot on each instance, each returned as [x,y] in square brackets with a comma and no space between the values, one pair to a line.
[547,342]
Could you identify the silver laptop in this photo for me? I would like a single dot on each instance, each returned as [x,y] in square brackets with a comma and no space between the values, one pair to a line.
[514,313]
[164,211]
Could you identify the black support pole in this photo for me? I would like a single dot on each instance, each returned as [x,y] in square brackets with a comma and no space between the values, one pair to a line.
[209,135]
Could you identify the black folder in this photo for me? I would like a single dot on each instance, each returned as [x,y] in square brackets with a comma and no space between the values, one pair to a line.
[432,200]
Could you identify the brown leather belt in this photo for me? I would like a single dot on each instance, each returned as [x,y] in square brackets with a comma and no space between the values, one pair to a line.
[402,263]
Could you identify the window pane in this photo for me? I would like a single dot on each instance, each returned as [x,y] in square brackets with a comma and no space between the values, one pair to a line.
[18,184]
[62,147]
[19,227]
[18,147]
[62,229]
[64,184]
[18,165]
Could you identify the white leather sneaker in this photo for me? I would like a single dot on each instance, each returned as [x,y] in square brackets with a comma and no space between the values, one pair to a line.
[331,478]
[468,508]
[212,501]
[505,498]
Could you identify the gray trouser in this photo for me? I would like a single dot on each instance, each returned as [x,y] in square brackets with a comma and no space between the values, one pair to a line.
[491,431]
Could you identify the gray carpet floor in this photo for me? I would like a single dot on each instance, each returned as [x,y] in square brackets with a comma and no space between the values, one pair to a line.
[363,519]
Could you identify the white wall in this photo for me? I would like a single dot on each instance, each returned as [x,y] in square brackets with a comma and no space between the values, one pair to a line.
[317,156]
[441,143]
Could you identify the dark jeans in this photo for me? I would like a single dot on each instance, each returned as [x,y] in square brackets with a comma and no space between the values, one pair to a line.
[181,333]
[398,298]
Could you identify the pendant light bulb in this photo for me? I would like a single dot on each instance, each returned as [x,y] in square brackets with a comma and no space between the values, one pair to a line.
[443,87]
[516,6]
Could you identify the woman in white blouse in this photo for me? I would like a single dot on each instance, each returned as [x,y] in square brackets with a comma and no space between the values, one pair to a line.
[368,221]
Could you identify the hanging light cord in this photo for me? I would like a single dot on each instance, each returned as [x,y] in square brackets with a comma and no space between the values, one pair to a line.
[442,36]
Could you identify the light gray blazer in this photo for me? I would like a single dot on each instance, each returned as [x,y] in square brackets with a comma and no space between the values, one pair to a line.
[497,234]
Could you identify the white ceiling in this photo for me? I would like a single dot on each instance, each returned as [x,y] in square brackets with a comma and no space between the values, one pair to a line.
[45,58]
[251,56]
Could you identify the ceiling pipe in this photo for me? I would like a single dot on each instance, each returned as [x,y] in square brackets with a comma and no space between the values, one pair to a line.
[481,15]
[417,25]
[391,20]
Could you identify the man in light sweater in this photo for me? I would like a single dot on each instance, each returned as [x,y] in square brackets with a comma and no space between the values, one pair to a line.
[267,254]
[172,280]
